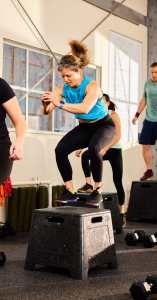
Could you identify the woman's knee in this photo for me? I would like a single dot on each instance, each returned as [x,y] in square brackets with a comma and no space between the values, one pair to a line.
[94,151]
[60,149]
[85,155]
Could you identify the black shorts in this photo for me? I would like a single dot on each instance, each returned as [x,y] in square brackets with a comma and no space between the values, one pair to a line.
[5,162]
[148,134]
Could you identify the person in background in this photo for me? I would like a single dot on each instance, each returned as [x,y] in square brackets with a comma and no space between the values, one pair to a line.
[9,151]
[113,155]
[148,134]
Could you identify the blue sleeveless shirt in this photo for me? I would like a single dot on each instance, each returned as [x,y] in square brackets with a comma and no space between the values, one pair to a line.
[76,95]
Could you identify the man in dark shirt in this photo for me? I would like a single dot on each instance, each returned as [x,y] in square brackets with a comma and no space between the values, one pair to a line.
[6,93]
[9,151]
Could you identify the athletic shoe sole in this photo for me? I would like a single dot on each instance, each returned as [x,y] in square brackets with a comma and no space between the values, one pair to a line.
[85,191]
[96,205]
[66,201]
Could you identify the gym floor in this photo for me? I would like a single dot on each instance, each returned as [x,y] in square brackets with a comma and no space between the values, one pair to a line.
[135,263]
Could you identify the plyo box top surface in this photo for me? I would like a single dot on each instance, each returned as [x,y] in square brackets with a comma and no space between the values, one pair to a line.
[69,210]
[103,193]
[145,181]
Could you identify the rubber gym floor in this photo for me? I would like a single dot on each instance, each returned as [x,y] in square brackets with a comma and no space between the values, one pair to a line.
[135,263]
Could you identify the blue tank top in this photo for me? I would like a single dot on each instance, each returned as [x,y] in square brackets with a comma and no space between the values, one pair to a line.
[77,94]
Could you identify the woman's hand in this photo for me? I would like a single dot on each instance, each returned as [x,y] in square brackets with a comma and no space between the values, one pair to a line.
[78,152]
[16,151]
[49,97]
[48,105]
[134,120]
[50,101]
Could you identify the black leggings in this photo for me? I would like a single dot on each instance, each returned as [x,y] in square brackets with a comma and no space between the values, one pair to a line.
[114,156]
[95,136]
[5,162]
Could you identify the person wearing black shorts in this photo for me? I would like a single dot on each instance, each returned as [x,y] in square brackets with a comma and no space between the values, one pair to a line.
[148,134]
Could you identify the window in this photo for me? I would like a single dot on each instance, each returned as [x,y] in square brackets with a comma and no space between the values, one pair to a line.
[124,81]
[30,72]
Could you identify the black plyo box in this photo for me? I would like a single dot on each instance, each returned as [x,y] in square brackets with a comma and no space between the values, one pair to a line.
[74,238]
[143,201]
[110,201]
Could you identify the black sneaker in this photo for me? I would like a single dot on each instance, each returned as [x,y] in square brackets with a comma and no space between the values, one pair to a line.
[67,197]
[95,199]
[86,188]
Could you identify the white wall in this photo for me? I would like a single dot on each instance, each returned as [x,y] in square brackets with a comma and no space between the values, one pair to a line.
[59,21]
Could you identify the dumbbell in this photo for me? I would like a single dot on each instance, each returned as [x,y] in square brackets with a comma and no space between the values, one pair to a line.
[133,238]
[5,230]
[2,258]
[140,290]
[150,240]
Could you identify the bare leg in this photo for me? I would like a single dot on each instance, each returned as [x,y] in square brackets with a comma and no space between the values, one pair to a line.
[148,156]
[121,209]
[97,185]
[88,180]
[69,186]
